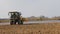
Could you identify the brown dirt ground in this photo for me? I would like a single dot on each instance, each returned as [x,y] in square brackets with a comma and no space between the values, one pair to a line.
[43,28]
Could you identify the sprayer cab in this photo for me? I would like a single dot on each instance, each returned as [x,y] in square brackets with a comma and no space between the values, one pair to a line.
[15,17]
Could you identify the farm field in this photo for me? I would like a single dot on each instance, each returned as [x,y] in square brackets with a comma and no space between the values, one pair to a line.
[42,28]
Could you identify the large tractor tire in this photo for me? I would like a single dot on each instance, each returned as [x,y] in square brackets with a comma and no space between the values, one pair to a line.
[20,22]
[14,23]
[11,23]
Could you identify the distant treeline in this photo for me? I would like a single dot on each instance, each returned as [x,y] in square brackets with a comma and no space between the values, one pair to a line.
[32,19]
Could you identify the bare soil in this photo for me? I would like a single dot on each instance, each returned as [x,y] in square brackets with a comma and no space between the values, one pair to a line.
[43,28]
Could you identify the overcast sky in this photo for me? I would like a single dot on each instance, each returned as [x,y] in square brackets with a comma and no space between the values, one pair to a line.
[48,8]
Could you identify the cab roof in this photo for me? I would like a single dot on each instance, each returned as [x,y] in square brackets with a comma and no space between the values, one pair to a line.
[13,12]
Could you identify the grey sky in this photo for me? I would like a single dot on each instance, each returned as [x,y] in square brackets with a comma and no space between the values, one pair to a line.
[48,8]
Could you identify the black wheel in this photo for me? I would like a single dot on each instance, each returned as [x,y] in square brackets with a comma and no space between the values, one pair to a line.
[14,22]
[21,22]
[11,23]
